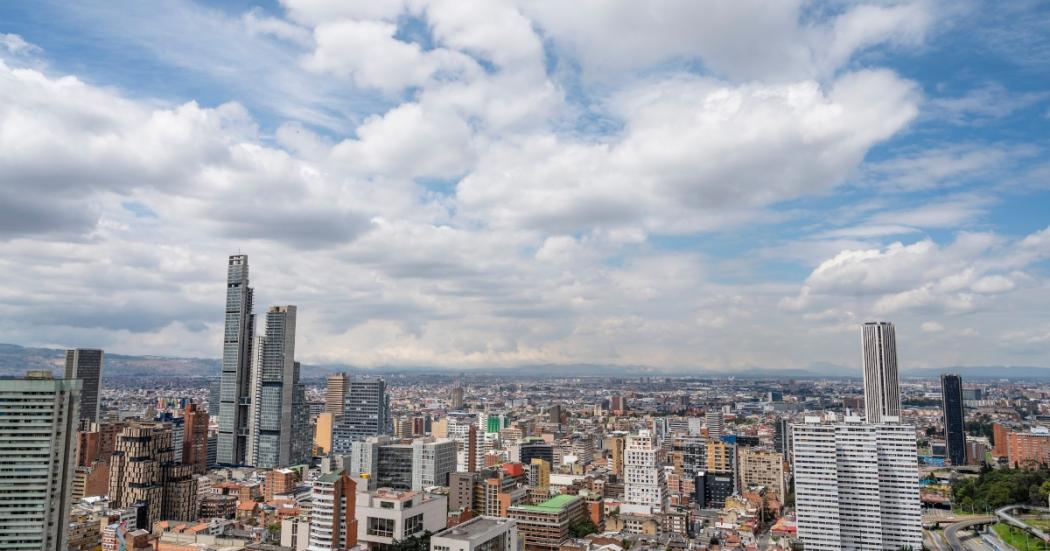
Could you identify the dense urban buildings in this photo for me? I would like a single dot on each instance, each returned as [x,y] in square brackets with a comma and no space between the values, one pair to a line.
[235,390]
[881,388]
[39,416]
[86,364]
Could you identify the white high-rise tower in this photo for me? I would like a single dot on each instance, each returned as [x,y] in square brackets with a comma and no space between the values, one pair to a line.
[856,486]
[881,391]
[645,489]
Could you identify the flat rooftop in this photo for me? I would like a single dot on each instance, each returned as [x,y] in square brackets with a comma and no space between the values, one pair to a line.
[473,530]
[552,505]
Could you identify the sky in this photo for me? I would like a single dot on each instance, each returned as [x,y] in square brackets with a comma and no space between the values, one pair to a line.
[680,184]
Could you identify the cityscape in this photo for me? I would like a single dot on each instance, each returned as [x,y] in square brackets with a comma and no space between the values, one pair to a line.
[525,275]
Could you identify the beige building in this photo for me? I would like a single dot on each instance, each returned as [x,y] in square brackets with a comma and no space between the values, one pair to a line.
[143,468]
[765,468]
[323,432]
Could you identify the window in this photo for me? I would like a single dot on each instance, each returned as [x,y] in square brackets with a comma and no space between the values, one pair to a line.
[383,527]
[414,525]
[386,504]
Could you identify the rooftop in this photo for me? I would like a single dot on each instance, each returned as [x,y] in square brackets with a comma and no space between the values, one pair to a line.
[552,505]
[473,529]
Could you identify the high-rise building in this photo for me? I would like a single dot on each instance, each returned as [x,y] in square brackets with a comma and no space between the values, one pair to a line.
[39,416]
[536,449]
[279,420]
[782,436]
[195,439]
[713,420]
[323,432]
[403,465]
[617,404]
[432,462]
[881,391]
[616,446]
[456,397]
[235,389]
[645,489]
[333,520]
[856,485]
[335,393]
[143,469]
[954,418]
[86,364]
[366,412]
[761,468]
[214,391]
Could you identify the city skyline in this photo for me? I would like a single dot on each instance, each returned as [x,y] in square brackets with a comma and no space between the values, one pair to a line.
[539,194]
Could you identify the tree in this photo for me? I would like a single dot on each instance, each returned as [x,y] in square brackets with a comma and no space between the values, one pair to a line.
[582,527]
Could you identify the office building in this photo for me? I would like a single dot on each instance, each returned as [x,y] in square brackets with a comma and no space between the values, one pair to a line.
[366,412]
[714,421]
[478,534]
[856,485]
[39,416]
[195,439]
[235,386]
[143,469]
[782,436]
[545,527]
[616,446]
[881,391]
[645,489]
[323,432]
[536,449]
[279,433]
[712,489]
[720,457]
[403,464]
[617,404]
[954,418]
[335,393]
[433,461]
[386,516]
[333,521]
[214,392]
[86,364]
[539,473]
[761,468]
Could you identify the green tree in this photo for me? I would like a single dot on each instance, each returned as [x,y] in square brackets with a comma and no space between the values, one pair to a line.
[582,527]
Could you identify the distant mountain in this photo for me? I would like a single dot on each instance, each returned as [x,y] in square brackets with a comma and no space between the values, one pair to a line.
[16,360]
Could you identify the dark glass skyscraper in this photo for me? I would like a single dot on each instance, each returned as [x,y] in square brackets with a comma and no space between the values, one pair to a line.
[954,418]
[86,364]
[235,387]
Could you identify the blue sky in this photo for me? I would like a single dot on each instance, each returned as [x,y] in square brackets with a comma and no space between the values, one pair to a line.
[502,183]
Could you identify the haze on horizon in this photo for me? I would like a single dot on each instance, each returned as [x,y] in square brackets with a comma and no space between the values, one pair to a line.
[677,183]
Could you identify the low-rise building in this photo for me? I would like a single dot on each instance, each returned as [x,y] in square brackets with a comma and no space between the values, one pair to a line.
[478,534]
[546,526]
[385,516]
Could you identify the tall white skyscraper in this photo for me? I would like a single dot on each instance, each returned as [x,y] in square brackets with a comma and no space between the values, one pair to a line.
[881,391]
[277,420]
[856,486]
[645,489]
[38,422]
[235,385]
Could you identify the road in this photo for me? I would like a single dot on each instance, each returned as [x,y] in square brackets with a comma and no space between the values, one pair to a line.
[951,533]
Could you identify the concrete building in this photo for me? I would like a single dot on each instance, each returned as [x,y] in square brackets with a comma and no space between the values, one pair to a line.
[616,446]
[954,418]
[456,398]
[645,489]
[881,391]
[385,516]
[478,534]
[86,364]
[762,468]
[1028,449]
[403,464]
[195,439]
[433,460]
[235,387]
[856,485]
[545,527]
[335,393]
[39,416]
[143,469]
[333,524]
[279,422]
[539,473]
[715,424]
[323,432]
[295,533]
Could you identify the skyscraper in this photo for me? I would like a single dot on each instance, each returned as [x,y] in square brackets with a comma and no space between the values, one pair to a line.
[335,394]
[954,418]
[856,486]
[235,390]
[143,469]
[86,364]
[276,422]
[366,412]
[456,397]
[881,391]
[38,422]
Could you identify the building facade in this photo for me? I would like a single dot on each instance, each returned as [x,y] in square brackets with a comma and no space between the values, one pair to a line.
[856,486]
[881,391]
[235,386]
[954,418]
[335,393]
[143,469]
[195,439]
[762,468]
[645,489]
[333,521]
[86,364]
[385,516]
[478,534]
[39,416]
[366,412]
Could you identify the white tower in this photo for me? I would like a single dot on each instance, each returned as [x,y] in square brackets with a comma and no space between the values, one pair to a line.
[881,391]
